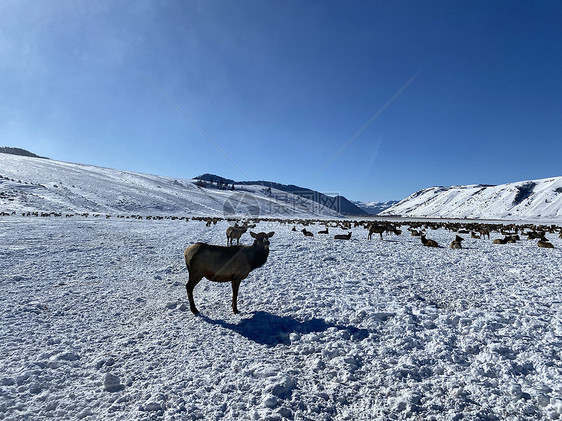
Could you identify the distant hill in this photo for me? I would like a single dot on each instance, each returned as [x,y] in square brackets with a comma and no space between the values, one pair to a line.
[533,200]
[20,152]
[215,178]
[28,184]
[374,208]
[337,203]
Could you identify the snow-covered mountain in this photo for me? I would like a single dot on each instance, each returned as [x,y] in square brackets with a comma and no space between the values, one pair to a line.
[29,184]
[336,202]
[374,208]
[533,199]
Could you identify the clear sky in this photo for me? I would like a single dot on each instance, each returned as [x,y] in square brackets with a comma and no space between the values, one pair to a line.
[462,92]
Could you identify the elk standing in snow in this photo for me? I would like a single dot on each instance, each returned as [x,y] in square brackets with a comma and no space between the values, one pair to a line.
[485,233]
[235,232]
[393,230]
[376,229]
[224,264]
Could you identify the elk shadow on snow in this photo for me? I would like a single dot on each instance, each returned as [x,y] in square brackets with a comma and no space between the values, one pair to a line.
[270,329]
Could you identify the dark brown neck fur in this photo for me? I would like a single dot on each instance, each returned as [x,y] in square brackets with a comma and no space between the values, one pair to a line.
[257,255]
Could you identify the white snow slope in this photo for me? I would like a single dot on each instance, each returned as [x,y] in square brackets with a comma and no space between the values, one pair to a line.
[524,200]
[42,185]
[96,326]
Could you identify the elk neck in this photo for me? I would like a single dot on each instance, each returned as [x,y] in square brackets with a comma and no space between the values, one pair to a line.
[257,255]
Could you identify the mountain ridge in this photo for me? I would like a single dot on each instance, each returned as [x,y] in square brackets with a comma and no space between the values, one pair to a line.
[528,199]
[338,203]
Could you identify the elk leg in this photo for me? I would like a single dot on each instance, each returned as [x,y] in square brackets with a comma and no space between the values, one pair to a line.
[193,281]
[235,286]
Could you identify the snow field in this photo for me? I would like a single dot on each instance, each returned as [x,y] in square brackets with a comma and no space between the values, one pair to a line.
[96,325]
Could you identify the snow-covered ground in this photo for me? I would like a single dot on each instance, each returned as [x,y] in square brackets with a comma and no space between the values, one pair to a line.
[524,200]
[95,325]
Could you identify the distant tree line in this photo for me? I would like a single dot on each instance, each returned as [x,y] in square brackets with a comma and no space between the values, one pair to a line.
[19,151]
[215,184]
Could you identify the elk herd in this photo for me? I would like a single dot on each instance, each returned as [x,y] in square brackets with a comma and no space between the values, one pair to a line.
[511,233]
[233,263]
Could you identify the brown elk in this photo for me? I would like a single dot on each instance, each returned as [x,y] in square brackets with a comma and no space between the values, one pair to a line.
[324,231]
[235,232]
[456,244]
[533,235]
[393,230]
[543,242]
[376,229]
[507,239]
[427,242]
[307,233]
[484,233]
[224,264]
[343,236]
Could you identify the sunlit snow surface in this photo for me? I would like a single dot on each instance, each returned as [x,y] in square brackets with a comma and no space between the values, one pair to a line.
[95,325]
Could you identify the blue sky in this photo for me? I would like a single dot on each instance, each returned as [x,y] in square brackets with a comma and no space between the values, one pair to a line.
[281,86]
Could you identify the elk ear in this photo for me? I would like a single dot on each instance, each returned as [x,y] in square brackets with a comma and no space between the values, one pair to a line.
[253,234]
[269,235]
